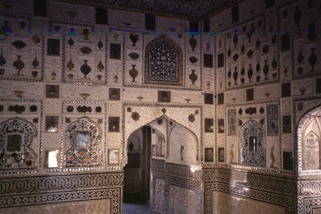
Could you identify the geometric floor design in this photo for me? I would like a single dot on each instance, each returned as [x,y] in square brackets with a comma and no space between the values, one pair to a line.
[131,208]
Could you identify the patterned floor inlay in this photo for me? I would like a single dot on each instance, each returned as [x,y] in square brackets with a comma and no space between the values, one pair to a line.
[129,208]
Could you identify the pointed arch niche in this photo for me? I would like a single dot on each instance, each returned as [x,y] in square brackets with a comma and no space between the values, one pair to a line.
[163,62]
[309,143]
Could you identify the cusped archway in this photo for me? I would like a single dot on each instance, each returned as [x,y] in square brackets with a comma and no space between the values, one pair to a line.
[309,143]
[171,141]
[160,141]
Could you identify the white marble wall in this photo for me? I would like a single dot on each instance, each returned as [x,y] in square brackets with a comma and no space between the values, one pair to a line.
[224,203]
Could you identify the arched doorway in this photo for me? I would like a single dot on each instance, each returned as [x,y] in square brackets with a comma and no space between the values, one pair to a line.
[137,170]
[162,140]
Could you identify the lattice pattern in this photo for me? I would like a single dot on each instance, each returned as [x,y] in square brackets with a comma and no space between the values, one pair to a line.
[164,62]
[309,188]
[231,115]
[252,152]
[310,204]
[272,119]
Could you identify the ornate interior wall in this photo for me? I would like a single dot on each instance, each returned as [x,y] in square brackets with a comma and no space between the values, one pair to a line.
[229,98]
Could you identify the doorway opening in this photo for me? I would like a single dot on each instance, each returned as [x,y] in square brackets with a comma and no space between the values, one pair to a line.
[149,149]
[137,170]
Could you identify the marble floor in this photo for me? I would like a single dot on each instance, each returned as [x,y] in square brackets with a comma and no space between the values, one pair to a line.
[131,208]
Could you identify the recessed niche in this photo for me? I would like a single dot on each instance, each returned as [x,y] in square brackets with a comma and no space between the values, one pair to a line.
[52,124]
[193,26]
[208,98]
[206,26]
[14,142]
[114,94]
[220,60]
[51,158]
[269,3]
[286,89]
[150,22]
[101,16]
[164,96]
[53,47]
[40,8]
[208,60]
[249,94]
[318,85]
[115,51]
[113,124]
[220,124]
[286,124]
[287,160]
[220,156]
[220,99]
[235,14]
[285,42]
[52,91]
[209,155]
[209,125]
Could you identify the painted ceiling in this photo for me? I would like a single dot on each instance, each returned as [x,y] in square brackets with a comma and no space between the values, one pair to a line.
[187,8]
